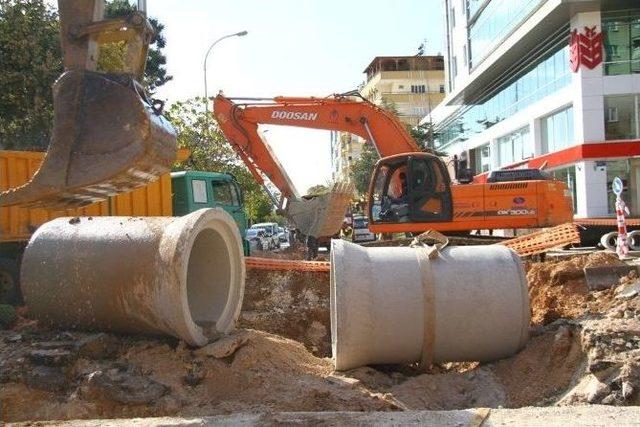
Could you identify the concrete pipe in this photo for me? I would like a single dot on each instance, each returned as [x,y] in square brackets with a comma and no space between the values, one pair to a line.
[182,276]
[395,305]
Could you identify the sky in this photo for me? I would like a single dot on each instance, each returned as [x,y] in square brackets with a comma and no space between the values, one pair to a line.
[293,47]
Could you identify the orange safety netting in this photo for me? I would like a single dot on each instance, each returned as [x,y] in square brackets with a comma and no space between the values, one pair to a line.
[611,222]
[286,264]
[544,240]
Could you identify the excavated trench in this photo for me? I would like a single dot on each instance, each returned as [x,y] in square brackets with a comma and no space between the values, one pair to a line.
[584,348]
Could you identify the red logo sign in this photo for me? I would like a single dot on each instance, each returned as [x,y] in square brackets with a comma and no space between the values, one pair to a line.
[586,49]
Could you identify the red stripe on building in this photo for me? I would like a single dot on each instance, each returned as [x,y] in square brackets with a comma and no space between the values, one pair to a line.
[599,150]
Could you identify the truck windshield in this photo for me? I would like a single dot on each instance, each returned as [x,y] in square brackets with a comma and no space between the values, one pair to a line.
[224,193]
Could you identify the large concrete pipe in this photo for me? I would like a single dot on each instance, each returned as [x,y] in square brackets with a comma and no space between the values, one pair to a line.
[395,305]
[182,276]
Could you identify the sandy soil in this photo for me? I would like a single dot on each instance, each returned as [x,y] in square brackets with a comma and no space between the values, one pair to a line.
[584,348]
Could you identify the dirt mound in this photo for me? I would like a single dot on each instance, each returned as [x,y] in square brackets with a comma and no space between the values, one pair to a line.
[558,288]
[150,377]
[291,304]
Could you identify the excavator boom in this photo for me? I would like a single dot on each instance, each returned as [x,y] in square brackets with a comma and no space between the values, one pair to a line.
[239,120]
[108,137]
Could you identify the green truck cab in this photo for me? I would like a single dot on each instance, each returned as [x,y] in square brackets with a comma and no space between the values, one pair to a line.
[193,190]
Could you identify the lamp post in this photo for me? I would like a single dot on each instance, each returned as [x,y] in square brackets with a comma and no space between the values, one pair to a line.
[206,94]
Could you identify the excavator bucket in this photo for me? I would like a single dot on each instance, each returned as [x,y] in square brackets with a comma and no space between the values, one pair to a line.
[107,137]
[322,215]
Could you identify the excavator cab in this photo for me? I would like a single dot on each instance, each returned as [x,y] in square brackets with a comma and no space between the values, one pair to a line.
[410,188]
[107,136]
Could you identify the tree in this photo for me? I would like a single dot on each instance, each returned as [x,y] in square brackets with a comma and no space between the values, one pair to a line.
[155,73]
[30,61]
[317,190]
[198,132]
[362,168]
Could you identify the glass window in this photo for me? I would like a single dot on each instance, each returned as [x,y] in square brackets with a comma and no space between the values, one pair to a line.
[621,39]
[515,147]
[224,193]
[621,117]
[547,76]
[494,23]
[482,158]
[557,130]
[199,188]
[568,175]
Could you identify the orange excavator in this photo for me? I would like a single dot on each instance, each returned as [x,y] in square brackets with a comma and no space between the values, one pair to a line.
[410,190]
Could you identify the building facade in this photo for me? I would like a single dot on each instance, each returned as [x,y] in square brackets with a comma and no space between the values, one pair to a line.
[546,83]
[412,85]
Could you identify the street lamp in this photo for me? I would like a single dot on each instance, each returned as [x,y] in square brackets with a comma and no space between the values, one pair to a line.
[206,94]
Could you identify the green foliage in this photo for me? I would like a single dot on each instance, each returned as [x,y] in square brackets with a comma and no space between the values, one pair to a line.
[30,61]
[198,132]
[317,190]
[155,71]
[362,168]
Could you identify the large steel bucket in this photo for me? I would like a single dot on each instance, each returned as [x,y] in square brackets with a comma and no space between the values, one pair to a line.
[107,139]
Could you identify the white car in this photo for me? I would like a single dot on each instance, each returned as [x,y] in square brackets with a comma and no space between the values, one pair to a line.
[270,233]
[256,239]
[361,232]
[283,235]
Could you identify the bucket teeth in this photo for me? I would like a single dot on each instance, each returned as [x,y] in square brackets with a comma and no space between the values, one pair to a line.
[322,215]
[106,140]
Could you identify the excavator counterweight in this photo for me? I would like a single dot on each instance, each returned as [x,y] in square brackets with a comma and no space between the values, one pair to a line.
[107,136]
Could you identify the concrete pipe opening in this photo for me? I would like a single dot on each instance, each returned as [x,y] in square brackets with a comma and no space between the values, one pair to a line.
[180,276]
[395,305]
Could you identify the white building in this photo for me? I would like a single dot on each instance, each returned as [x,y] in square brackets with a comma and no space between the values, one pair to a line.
[546,83]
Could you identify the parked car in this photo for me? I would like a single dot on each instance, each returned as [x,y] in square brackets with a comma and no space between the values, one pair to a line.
[270,233]
[283,235]
[256,239]
[361,232]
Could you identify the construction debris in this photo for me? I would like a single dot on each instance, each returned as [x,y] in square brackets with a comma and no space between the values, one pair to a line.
[584,349]
[544,240]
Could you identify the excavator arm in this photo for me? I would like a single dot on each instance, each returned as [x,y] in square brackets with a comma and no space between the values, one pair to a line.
[239,119]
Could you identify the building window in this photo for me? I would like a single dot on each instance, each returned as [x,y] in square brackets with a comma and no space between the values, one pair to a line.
[568,175]
[621,121]
[464,54]
[418,89]
[401,87]
[453,17]
[621,35]
[557,131]
[515,147]
[542,78]
[454,66]
[494,23]
[482,158]
[441,88]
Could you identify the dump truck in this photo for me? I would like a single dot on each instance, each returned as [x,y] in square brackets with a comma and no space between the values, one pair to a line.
[178,193]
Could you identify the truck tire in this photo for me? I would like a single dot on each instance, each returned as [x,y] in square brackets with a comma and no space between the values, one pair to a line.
[634,240]
[609,240]
[9,282]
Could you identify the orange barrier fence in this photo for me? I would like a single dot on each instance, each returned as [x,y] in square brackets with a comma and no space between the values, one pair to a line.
[285,264]
[611,222]
[544,240]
